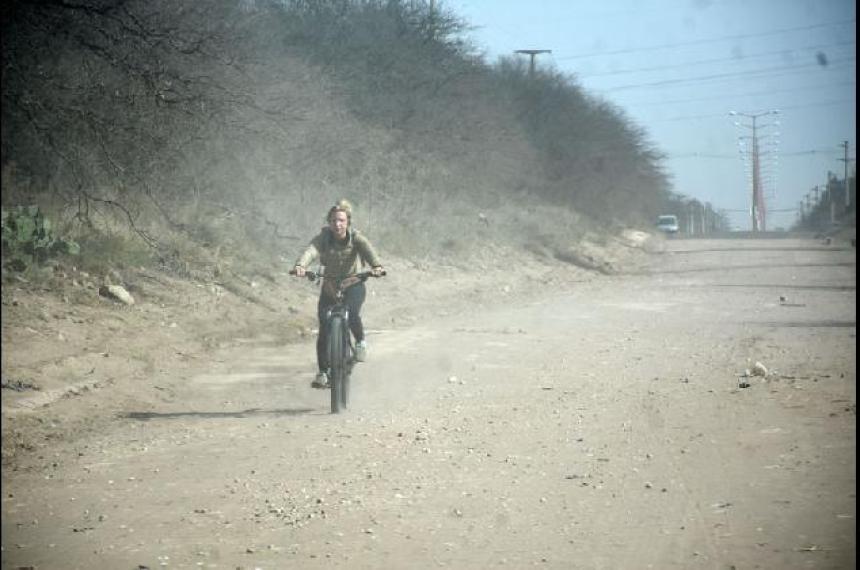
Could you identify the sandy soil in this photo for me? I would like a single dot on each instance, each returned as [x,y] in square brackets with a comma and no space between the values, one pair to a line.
[533,415]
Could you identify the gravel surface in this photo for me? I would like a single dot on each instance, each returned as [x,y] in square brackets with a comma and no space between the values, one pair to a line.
[698,411]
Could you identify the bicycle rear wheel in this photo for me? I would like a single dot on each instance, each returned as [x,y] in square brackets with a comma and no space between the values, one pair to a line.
[337,363]
[347,369]
[346,361]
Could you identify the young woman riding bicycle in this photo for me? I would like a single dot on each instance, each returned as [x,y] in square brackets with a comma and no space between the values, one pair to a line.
[340,249]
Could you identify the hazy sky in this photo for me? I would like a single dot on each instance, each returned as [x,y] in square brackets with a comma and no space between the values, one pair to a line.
[678,67]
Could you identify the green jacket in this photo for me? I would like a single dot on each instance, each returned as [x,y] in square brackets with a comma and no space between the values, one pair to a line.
[339,258]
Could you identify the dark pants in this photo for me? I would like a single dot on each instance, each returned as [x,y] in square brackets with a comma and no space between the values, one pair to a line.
[354,299]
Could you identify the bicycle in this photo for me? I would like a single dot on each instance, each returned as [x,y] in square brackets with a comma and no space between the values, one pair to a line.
[340,350]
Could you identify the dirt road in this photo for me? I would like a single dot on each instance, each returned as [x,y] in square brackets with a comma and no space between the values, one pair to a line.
[611,426]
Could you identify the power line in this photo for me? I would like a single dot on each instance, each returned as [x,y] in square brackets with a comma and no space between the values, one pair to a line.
[701,155]
[707,61]
[711,40]
[828,86]
[808,152]
[695,154]
[712,115]
[717,76]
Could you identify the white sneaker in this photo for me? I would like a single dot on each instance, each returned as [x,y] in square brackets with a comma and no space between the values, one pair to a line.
[321,381]
[360,351]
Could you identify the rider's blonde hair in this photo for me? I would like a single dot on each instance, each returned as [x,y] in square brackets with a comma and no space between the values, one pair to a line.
[341,205]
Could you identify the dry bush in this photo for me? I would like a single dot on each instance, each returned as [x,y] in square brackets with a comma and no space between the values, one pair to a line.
[217,135]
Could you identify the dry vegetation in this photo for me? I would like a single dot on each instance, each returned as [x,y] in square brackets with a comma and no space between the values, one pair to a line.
[204,137]
[191,148]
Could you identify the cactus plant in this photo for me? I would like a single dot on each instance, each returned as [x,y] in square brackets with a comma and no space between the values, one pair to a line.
[28,237]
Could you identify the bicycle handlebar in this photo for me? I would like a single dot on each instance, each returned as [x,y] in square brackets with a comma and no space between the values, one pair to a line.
[351,280]
[311,275]
[363,276]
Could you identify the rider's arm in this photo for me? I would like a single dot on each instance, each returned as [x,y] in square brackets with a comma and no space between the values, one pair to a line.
[309,254]
[367,253]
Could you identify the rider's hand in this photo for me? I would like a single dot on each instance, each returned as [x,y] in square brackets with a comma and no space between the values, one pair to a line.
[377,271]
[299,271]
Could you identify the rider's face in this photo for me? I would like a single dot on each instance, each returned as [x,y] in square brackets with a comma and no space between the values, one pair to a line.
[338,224]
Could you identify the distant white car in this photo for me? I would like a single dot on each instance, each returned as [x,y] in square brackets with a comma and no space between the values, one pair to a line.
[668,224]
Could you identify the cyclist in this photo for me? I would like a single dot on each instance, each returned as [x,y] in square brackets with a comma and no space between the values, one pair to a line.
[340,248]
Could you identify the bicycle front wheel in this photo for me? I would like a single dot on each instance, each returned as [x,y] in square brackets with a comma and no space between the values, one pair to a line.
[346,364]
[337,356]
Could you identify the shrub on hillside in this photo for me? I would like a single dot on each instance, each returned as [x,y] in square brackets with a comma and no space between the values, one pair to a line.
[28,237]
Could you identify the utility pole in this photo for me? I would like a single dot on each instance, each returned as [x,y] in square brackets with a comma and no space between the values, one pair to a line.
[758,215]
[691,218]
[847,190]
[757,197]
[532,53]
[831,196]
[433,19]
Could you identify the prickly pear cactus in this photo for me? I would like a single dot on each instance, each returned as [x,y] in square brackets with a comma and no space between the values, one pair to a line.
[28,237]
